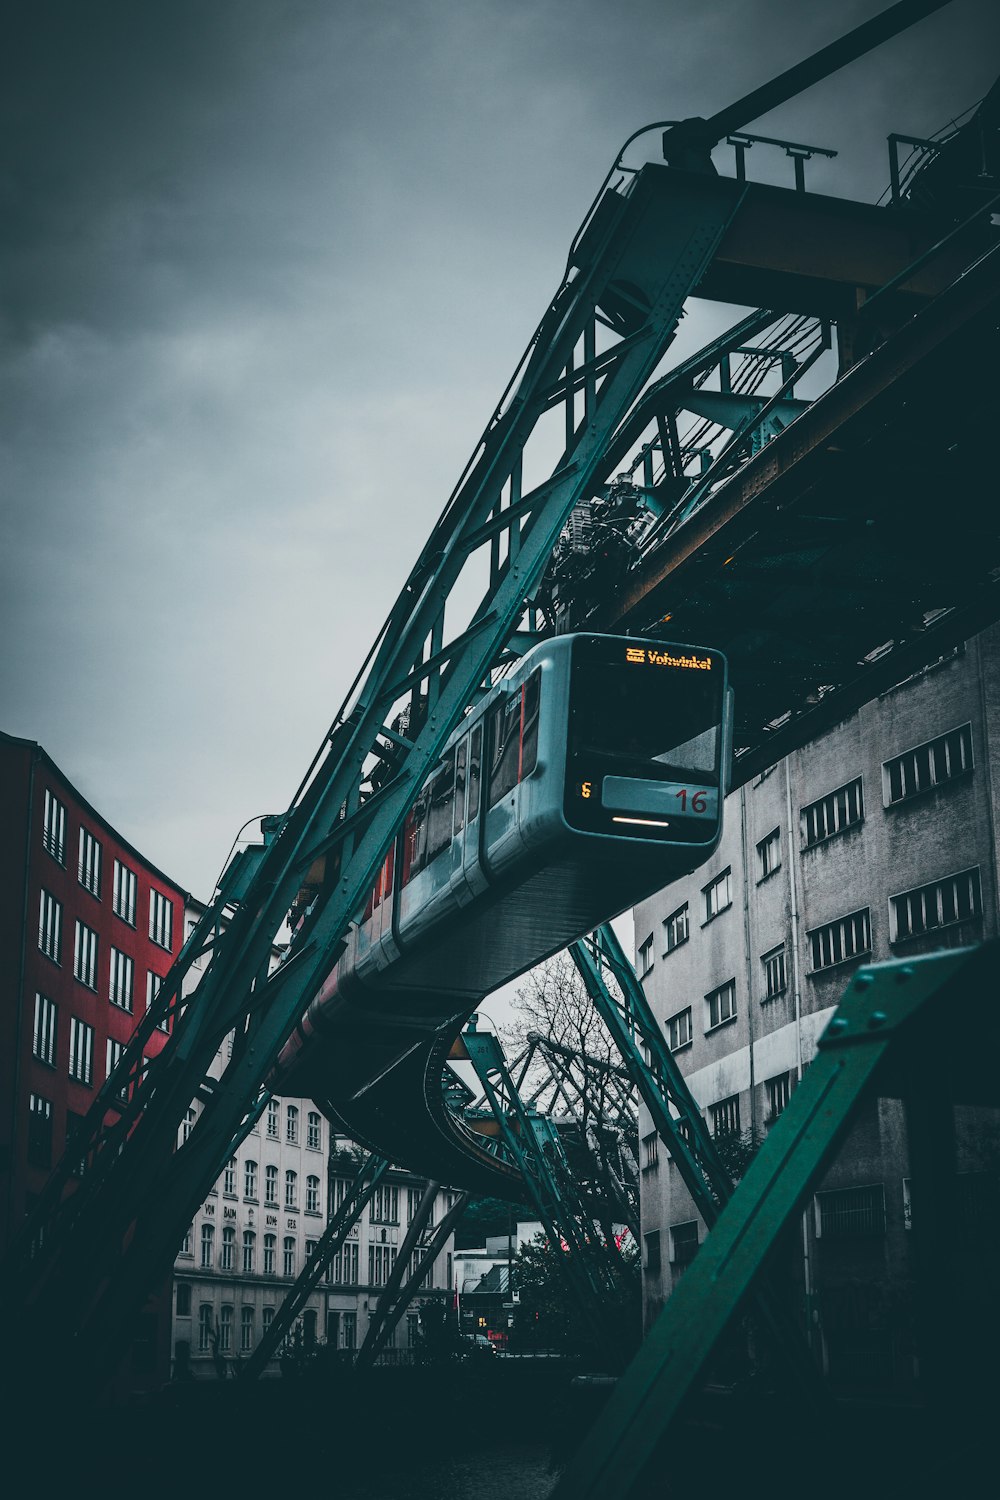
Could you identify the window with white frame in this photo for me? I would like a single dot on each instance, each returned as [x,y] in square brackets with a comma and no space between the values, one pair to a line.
[123,895]
[726,1116]
[246,1329]
[291,1188]
[836,942]
[721,1004]
[769,854]
[225,1328]
[207,1246]
[718,895]
[161,920]
[851,1213]
[676,928]
[227,1255]
[292,1124]
[942,903]
[273,1119]
[271,1186]
[778,1091]
[270,1241]
[345,1267]
[928,765]
[312,1195]
[250,1180]
[684,1242]
[85,955]
[50,927]
[89,867]
[314,1132]
[229,1178]
[43,1037]
[831,814]
[39,1146]
[288,1258]
[54,827]
[645,957]
[120,990]
[650,1151]
[186,1243]
[249,1251]
[679,1032]
[775,975]
[81,1051]
[206,1327]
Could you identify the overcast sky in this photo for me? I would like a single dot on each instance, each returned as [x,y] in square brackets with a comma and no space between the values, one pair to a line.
[266,268]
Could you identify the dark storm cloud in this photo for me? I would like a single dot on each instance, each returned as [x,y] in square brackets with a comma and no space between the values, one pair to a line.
[265,270]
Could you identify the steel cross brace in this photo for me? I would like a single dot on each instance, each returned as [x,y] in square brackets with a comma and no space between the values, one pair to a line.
[332,1241]
[887,1010]
[125,1226]
[396,1296]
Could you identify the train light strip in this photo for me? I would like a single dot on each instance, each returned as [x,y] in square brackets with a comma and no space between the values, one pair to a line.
[646,822]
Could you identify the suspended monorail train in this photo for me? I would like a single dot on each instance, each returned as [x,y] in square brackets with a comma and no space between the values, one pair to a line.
[588,778]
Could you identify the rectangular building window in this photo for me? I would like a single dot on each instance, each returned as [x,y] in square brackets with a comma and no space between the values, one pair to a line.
[314,1135]
[250,1180]
[161,921]
[679,1033]
[112,1058]
[955,898]
[850,1213]
[778,1091]
[225,1328]
[684,1242]
[650,1151]
[205,1327]
[848,937]
[39,1131]
[122,980]
[291,1124]
[229,1178]
[273,1119]
[90,863]
[43,1037]
[85,955]
[50,927]
[721,1004]
[651,1242]
[123,894]
[833,813]
[207,1247]
[227,1255]
[718,895]
[81,1051]
[291,1188]
[928,765]
[384,1206]
[726,1116]
[769,854]
[775,975]
[270,1241]
[249,1251]
[288,1258]
[676,928]
[246,1329]
[271,1186]
[645,957]
[54,828]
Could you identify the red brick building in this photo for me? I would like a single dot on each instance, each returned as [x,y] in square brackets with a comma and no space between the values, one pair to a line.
[88,928]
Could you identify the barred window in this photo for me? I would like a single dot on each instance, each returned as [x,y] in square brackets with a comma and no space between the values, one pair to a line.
[726,1116]
[123,894]
[833,813]
[120,991]
[849,1213]
[955,898]
[81,1051]
[54,828]
[769,854]
[684,1242]
[718,895]
[928,765]
[645,954]
[85,955]
[679,1031]
[90,863]
[50,927]
[779,1091]
[161,920]
[775,976]
[43,1040]
[721,1004]
[677,928]
[650,1151]
[848,937]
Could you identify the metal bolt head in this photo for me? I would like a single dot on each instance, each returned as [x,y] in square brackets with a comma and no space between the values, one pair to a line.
[876,1019]
[863,982]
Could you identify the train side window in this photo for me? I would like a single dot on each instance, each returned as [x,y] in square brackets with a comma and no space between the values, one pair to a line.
[505,746]
[529,723]
[460,758]
[475,759]
[439,817]
[415,837]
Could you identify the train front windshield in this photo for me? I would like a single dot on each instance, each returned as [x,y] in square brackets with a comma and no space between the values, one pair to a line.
[644,750]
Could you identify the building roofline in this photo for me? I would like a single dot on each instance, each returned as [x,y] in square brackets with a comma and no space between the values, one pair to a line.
[42,754]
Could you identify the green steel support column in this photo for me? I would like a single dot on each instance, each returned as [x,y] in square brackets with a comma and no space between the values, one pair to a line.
[389,1291]
[361,1191]
[410,1287]
[888,1010]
